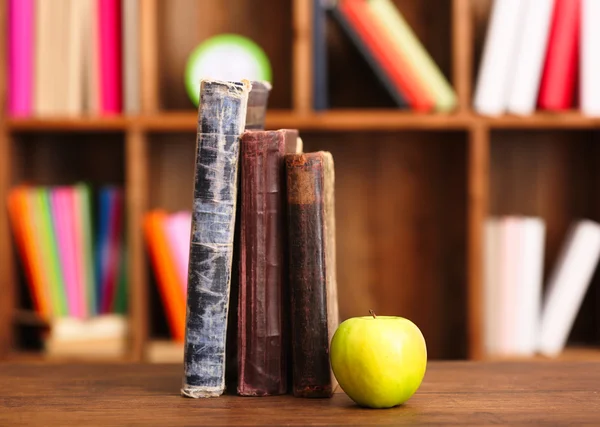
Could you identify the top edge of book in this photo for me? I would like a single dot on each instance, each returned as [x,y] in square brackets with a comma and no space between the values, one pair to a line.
[242,84]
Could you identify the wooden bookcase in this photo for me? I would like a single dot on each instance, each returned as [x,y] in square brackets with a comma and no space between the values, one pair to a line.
[412,190]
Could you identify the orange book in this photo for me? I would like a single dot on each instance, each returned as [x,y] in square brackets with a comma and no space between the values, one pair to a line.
[26,245]
[361,18]
[166,273]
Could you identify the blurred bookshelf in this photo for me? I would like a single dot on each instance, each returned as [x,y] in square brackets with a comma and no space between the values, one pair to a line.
[413,190]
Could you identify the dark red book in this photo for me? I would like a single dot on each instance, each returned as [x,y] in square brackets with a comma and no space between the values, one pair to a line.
[312,271]
[557,89]
[262,337]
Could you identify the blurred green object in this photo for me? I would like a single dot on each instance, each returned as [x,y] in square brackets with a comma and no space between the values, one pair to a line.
[228,57]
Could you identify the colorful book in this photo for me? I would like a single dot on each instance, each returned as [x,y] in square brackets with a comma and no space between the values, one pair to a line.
[75,46]
[312,270]
[177,228]
[21,37]
[590,58]
[369,56]
[567,285]
[498,60]
[84,245]
[25,230]
[63,225]
[131,56]
[170,291]
[111,250]
[44,68]
[364,22]
[221,121]
[532,43]
[405,44]
[109,28]
[262,337]
[91,56]
[557,88]
[49,247]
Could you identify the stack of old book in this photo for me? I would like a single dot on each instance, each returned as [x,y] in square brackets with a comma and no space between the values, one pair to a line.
[261,304]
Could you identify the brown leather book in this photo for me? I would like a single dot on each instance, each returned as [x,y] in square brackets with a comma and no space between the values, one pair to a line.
[262,337]
[258,100]
[312,270]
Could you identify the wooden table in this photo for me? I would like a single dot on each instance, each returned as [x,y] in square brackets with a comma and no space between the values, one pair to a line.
[458,393]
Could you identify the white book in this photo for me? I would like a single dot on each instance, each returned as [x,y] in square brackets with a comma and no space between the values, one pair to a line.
[590,58]
[567,285]
[530,54]
[528,295]
[491,294]
[510,248]
[498,60]
[131,56]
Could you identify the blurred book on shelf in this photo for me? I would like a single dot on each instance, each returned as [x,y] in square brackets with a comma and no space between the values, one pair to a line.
[540,54]
[387,42]
[73,267]
[73,57]
[519,320]
[168,242]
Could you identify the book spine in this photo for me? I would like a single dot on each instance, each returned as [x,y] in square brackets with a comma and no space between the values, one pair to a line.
[109,26]
[567,285]
[497,62]
[403,78]
[20,57]
[171,295]
[310,324]
[370,58]
[221,121]
[262,364]
[560,69]
[258,100]
[109,284]
[529,289]
[131,56]
[319,42]
[406,44]
[75,54]
[590,58]
[531,51]
[51,261]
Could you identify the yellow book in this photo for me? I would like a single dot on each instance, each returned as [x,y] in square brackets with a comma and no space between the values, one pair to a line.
[406,44]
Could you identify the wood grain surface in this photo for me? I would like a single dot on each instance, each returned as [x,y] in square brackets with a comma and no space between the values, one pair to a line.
[453,393]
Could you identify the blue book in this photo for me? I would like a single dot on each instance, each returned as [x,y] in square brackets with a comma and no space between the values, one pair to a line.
[102,251]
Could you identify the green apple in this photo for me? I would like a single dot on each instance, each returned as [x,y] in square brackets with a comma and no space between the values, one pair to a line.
[379,361]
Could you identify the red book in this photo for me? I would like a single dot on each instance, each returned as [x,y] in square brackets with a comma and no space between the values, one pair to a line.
[359,16]
[109,28]
[557,89]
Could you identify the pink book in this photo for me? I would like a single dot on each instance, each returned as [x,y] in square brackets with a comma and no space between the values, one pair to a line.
[63,216]
[178,228]
[109,30]
[20,57]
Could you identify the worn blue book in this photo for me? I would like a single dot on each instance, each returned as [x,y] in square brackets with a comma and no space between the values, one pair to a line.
[221,121]
[102,242]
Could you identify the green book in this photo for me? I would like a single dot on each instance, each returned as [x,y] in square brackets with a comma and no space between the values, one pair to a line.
[406,44]
[50,259]
[84,211]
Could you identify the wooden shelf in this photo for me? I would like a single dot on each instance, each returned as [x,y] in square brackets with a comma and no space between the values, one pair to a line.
[63,124]
[332,120]
[542,120]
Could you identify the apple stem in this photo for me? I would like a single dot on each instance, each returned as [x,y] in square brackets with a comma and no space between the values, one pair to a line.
[373,314]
